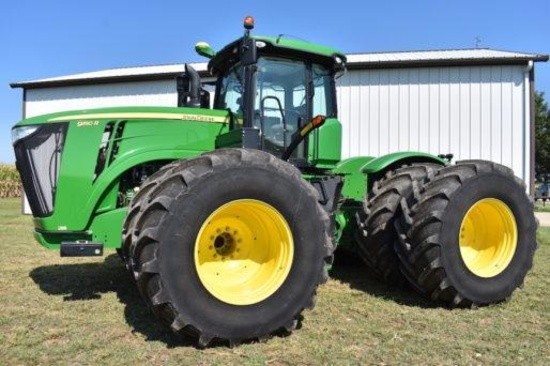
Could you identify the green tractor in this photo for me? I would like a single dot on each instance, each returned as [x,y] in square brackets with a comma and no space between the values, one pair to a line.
[229,217]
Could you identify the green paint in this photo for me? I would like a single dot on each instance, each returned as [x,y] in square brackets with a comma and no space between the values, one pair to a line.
[280,45]
[325,147]
[204,49]
[106,228]
[347,214]
[359,173]
[53,239]
[341,223]
[169,113]
[79,198]
[399,158]
[354,179]
[283,42]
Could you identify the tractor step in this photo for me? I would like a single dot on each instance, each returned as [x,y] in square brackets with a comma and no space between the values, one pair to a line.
[81,249]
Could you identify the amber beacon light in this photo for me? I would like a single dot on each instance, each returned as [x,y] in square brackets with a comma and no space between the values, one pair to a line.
[249,23]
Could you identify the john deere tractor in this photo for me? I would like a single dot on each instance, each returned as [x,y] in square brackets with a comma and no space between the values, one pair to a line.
[228,217]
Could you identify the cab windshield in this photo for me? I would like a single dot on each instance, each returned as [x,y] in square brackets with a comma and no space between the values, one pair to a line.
[231,91]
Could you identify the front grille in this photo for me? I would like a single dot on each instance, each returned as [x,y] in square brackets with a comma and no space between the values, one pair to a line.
[38,159]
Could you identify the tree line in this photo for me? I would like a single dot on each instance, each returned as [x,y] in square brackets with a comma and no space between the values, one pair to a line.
[542,138]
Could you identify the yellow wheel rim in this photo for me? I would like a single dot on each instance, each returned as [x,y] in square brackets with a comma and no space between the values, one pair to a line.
[488,237]
[244,252]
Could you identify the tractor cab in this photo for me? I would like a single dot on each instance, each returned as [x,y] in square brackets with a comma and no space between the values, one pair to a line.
[273,87]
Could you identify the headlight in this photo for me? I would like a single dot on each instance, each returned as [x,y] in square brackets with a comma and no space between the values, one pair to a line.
[17,133]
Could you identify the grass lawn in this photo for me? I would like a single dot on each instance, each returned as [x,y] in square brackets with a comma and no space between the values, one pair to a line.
[87,311]
[541,206]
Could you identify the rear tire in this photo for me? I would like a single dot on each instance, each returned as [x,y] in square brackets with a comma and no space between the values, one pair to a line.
[469,238]
[229,246]
[381,207]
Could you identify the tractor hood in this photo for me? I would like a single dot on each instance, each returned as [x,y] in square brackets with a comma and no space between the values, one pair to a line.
[73,163]
[134,113]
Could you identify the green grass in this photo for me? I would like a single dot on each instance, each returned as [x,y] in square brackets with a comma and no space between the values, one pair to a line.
[87,311]
[542,206]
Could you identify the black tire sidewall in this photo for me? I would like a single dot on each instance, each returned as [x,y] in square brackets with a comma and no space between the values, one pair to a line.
[376,245]
[487,290]
[179,230]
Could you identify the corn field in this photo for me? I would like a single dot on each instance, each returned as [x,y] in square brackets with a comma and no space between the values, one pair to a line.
[10,183]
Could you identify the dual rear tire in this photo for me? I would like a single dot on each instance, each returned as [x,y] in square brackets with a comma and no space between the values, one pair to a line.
[464,235]
[381,207]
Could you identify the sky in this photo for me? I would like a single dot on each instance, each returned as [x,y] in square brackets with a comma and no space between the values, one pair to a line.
[41,39]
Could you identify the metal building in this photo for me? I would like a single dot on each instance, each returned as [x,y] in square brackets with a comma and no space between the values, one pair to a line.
[474,103]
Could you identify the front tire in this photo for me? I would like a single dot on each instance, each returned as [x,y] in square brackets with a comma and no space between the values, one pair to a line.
[229,246]
[470,237]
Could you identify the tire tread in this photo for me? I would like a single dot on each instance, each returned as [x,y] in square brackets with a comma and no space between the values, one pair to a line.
[419,230]
[153,202]
[381,207]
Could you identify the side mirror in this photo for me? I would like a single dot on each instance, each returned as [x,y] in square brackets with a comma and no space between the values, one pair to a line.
[204,49]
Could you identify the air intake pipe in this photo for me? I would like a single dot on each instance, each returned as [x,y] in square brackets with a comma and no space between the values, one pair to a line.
[189,88]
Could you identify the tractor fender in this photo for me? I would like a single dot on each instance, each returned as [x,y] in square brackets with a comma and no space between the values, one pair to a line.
[354,179]
[107,182]
[359,172]
[385,162]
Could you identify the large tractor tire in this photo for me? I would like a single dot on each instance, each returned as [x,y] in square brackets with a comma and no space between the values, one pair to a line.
[228,246]
[135,206]
[381,207]
[468,239]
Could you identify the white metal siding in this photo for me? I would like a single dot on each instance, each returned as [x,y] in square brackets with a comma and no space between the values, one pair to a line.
[472,112]
[143,93]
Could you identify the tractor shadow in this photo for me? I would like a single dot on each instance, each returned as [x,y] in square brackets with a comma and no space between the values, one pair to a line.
[349,268]
[89,281]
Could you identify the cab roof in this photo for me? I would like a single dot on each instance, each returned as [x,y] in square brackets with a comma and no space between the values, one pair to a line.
[280,45]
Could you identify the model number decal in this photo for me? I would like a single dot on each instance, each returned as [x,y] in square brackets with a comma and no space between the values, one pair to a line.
[85,120]
[87,123]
